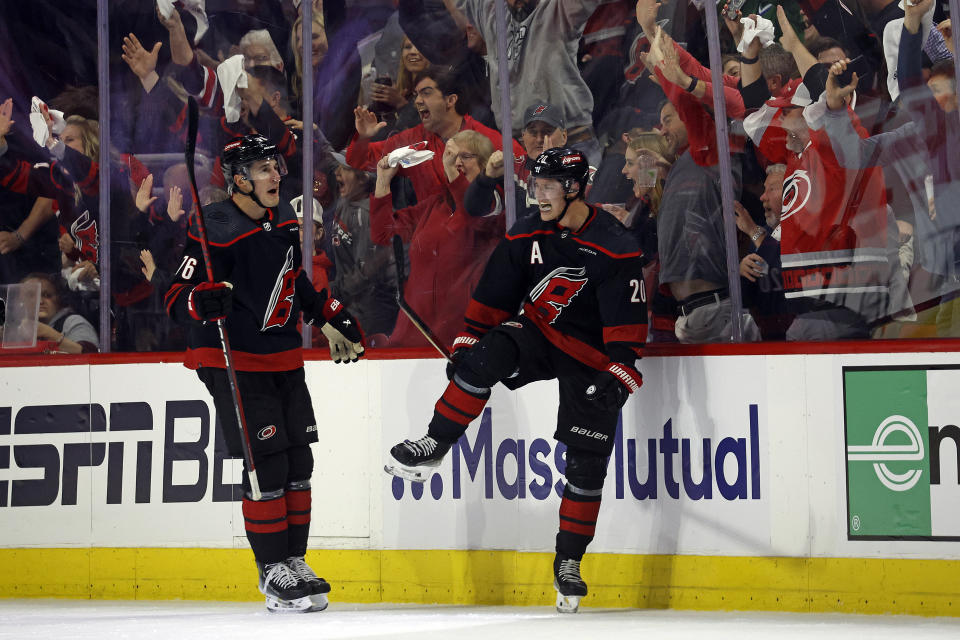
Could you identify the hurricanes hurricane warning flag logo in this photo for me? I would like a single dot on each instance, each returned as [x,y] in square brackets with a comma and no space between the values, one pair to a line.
[557,290]
[902,452]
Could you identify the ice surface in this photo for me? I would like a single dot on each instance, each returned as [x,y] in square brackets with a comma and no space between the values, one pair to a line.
[179,620]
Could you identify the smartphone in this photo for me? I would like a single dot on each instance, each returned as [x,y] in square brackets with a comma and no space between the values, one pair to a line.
[846,77]
[382,107]
[733,7]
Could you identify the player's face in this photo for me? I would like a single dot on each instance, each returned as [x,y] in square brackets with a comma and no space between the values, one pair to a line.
[265,177]
[549,195]
[434,108]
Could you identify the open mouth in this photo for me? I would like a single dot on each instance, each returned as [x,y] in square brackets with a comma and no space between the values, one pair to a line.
[424,113]
[273,192]
[545,207]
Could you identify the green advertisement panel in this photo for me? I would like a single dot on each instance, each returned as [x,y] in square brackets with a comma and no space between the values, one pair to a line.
[888,468]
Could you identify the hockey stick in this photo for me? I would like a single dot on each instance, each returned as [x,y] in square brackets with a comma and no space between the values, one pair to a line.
[421,326]
[192,117]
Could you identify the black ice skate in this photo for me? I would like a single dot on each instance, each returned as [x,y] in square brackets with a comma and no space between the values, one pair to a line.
[284,590]
[568,583]
[417,460]
[318,587]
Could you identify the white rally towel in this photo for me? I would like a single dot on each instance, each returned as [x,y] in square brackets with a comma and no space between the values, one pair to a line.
[39,123]
[410,156]
[232,75]
[762,29]
[196,8]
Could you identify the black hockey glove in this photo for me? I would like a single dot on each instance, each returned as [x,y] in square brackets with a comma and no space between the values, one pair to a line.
[343,332]
[210,301]
[613,386]
[461,345]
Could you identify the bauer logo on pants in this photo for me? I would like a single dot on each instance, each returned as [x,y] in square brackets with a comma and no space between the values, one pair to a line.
[901,448]
[267,432]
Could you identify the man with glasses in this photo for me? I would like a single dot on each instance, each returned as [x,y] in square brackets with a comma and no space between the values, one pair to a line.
[442,115]
[576,275]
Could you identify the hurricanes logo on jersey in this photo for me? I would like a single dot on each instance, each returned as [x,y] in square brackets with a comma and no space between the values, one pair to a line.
[557,290]
[281,299]
[84,232]
[796,193]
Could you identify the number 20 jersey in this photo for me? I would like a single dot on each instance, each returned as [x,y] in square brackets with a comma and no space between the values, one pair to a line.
[582,288]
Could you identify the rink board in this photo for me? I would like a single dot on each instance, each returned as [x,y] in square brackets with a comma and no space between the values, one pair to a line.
[735,482]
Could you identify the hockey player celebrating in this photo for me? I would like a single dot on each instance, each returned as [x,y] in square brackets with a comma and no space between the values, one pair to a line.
[561,297]
[259,289]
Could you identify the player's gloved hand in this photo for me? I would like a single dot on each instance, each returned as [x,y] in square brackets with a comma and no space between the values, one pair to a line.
[461,345]
[613,386]
[210,301]
[342,332]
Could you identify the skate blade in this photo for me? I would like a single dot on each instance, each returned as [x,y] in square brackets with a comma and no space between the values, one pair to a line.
[421,473]
[318,602]
[567,604]
[298,605]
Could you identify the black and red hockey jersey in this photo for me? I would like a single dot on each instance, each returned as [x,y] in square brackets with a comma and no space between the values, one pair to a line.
[582,288]
[262,260]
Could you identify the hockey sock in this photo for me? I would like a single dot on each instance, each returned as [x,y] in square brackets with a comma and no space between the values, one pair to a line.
[459,405]
[298,518]
[266,524]
[578,520]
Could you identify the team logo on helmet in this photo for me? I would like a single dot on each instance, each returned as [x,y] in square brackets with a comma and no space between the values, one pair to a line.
[570,159]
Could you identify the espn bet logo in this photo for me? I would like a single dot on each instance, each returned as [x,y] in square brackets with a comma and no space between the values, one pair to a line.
[902,452]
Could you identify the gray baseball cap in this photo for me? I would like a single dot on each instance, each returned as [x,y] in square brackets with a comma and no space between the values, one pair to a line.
[544,112]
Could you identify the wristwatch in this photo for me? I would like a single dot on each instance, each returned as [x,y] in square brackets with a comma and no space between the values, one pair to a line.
[756,234]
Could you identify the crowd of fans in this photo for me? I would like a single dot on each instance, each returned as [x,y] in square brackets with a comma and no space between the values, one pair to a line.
[841,118]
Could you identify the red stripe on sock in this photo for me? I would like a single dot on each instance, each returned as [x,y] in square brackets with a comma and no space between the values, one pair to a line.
[580,529]
[450,414]
[586,511]
[298,500]
[463,401]
[295,519]
[265,516]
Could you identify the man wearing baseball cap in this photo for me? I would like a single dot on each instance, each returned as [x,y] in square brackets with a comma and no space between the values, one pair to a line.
[543,128]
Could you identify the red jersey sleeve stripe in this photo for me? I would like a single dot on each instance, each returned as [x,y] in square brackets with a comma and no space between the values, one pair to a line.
[172,294]
[632,254]
[538,232]
[209,95]
[483,315]
[632,333]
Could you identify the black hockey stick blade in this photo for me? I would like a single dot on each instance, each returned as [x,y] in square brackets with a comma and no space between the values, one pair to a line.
[415,319]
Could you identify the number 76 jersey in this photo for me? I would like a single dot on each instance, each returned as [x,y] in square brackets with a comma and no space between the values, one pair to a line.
[583,288]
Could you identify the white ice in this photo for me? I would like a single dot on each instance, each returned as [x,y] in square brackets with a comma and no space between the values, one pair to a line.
[178,620]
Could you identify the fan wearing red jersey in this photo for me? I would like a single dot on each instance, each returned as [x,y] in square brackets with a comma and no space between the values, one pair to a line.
[259,289]
[574,273]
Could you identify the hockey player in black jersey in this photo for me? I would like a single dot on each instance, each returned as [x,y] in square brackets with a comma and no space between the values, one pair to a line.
[561,297]
[260,289]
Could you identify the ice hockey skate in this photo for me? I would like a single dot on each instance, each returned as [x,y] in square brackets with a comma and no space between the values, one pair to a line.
[568,583]
[284,590]
[416,460]
[318,587]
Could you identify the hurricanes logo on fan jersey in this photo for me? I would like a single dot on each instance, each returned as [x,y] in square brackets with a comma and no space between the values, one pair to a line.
[281,299]
[84,232]
[554,293]
[796,193]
